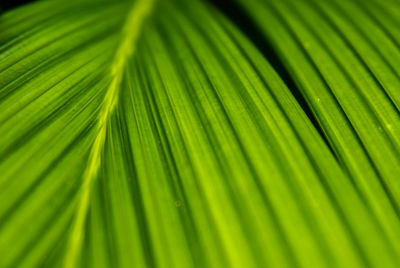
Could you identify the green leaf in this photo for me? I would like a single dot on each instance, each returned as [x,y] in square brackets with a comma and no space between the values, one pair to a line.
[154,134]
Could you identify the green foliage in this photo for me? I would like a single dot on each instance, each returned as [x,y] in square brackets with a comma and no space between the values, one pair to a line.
[153,133]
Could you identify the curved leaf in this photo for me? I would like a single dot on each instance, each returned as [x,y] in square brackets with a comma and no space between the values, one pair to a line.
[154,134]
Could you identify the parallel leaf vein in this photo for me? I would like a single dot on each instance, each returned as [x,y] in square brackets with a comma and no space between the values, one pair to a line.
[130,34]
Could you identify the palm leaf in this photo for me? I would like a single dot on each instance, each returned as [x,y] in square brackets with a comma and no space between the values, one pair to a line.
[155,134]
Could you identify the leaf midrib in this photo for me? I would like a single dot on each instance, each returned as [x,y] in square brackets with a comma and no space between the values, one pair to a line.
[131,30]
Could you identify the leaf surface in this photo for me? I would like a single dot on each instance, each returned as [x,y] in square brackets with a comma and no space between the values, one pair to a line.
[154,134]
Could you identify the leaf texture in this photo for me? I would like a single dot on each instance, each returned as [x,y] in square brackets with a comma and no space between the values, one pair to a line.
[343,56]
[155,134]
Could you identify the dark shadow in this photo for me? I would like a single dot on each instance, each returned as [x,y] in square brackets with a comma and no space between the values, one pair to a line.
[10,4]
[243,21]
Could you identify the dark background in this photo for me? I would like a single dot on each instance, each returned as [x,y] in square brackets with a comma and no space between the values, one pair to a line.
[9,4]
